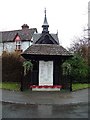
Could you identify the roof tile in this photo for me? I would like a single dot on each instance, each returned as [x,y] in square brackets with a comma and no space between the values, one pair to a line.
[8,36]
[46,49]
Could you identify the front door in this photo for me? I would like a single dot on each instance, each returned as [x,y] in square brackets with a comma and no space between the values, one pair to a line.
[45,72]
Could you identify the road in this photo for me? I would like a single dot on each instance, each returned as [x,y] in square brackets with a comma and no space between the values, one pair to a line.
[44,111]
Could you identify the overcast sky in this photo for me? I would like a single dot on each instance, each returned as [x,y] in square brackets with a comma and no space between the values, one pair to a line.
[69,17]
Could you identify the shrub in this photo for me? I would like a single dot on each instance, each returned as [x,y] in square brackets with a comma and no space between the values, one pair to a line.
[79,69]
[12,66]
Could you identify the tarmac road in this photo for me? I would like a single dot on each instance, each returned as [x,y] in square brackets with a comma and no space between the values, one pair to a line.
[30,97]
[44,111]
[29,104]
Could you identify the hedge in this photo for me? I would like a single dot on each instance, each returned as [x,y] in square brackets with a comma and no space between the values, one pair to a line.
[12,66]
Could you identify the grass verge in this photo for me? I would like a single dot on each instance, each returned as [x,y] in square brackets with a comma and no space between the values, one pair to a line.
[10,86]
[79,86]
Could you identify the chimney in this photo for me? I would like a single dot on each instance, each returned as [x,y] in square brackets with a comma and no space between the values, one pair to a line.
[25,26]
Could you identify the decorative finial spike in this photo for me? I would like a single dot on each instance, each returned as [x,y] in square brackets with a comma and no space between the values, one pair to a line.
[45,11]
[45,23]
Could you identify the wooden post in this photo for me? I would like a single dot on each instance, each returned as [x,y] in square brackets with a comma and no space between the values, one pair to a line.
[22,76]
[70,84]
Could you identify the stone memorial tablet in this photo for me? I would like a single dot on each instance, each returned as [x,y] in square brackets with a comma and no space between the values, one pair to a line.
[45,72]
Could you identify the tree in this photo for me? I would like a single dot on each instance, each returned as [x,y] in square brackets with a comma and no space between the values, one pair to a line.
[79,69]
[80,46]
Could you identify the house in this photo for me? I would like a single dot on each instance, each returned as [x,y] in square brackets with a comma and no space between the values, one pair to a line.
[47,57]
[16,40]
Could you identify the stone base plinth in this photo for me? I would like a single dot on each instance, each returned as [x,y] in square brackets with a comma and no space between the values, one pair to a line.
[45,88]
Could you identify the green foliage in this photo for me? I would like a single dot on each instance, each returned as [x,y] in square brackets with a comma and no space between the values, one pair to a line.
[79,69]
[27,66]
[66,68]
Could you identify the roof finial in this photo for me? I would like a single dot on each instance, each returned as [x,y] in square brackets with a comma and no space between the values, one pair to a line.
[45,11]
[45,23]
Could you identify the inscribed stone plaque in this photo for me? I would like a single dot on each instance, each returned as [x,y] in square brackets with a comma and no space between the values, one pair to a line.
[45,72]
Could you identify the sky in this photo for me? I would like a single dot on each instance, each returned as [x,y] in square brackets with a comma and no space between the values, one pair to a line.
[68,17]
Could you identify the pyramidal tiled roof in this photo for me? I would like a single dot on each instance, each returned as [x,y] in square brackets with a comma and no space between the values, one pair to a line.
[46,49]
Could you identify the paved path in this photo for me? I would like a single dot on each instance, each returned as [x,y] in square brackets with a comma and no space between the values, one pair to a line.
[29,97]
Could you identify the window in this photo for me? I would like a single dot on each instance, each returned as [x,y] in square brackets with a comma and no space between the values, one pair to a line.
[18,43]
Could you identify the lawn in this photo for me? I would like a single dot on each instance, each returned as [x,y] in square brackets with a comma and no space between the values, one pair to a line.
[10,86]
[78,86]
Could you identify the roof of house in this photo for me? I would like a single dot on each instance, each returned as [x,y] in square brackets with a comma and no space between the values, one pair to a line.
[46,49]
[25,34]
[37,36]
